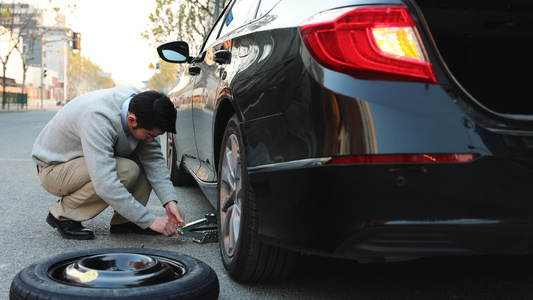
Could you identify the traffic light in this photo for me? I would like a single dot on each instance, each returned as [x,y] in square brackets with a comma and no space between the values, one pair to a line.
[157,69]
[44,75]
[76,40]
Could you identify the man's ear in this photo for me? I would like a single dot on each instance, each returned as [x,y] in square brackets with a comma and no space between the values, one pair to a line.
[132,120]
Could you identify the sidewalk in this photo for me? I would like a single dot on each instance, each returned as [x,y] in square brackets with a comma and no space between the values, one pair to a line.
[15,108]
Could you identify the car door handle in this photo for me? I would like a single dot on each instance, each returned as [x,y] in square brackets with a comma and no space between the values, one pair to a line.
[222,57]
[194,70]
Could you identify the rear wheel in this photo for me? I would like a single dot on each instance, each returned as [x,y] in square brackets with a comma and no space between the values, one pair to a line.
[244,256]
[178,177]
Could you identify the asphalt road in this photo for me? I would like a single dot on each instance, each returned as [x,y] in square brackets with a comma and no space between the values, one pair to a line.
[25,238]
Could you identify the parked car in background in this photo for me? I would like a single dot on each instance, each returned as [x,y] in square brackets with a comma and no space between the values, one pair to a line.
[376,130]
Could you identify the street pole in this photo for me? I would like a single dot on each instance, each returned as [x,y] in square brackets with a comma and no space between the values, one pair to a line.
[42,70]
[65,89]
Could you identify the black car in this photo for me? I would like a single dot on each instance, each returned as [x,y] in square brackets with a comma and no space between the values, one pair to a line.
[372,130]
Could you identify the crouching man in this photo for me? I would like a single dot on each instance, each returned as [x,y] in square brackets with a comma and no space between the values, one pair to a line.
[101,150]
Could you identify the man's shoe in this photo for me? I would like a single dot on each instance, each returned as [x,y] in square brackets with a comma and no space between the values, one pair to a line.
[130,227]
[70,229]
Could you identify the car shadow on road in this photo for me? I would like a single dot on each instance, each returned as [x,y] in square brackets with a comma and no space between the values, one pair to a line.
[466,277]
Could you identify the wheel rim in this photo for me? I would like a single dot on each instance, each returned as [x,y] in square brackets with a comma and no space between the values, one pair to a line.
[230,195]
[116,270]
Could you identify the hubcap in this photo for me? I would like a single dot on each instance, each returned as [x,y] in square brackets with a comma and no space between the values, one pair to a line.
[230,195]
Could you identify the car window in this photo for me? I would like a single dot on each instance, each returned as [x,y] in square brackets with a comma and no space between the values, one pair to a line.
[214,32]
[241,12]
[265,6]
[253,10]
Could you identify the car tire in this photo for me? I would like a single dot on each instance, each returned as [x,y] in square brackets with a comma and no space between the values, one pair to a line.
[178,177]
[189,279]
[244,255]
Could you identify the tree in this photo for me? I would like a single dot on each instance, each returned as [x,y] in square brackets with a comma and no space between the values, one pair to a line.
[85,76]
[32,35]
[36,34]
[166,79]
[186,20]
[14,20]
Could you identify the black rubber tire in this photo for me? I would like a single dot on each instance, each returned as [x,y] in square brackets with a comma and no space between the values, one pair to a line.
[199,281]
[178,177]
[251,259]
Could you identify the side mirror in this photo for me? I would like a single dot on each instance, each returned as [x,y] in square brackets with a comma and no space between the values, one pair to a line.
[174,52]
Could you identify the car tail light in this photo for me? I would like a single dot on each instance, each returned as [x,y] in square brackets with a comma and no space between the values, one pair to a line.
[403,158]
[369,42]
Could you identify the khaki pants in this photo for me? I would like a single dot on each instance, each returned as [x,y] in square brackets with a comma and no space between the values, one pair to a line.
[79,201]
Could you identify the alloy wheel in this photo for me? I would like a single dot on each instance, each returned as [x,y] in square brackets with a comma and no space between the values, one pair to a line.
[230,195]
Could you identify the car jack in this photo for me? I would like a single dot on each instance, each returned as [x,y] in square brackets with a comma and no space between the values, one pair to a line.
[202,231]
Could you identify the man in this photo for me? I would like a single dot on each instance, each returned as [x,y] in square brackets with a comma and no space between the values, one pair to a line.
[101,150]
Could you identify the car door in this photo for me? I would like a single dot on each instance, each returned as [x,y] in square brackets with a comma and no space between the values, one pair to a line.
[218,56]
[181,96]
[202,112]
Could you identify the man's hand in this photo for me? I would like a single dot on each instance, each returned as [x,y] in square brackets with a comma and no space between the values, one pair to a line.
[175,215]
[164,226]
[167,225]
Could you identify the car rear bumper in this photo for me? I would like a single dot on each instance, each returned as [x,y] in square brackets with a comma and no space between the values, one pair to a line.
[380,210]
[431,239]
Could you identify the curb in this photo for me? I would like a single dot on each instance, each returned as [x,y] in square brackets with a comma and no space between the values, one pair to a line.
[28,110]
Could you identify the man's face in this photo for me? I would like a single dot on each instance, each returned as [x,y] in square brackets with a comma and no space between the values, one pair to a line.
[145,135]
[142,134]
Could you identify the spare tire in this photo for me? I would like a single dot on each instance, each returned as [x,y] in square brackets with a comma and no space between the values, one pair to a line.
[117,273]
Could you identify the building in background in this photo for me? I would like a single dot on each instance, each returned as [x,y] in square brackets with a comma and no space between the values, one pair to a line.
[39,66]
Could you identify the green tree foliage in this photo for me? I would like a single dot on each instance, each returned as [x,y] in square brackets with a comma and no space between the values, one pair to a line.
[182,20]
[166,79]
[85,76]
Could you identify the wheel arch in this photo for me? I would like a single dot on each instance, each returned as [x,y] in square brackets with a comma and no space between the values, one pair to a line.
[226,108]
